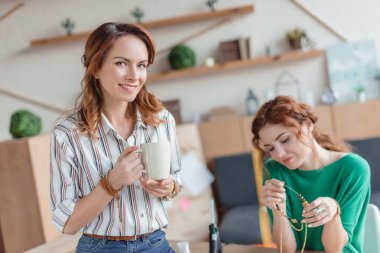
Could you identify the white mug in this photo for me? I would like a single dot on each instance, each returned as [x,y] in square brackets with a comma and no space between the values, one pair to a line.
[156,159]
[183,247]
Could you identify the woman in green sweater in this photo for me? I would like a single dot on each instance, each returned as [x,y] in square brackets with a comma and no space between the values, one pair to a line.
[316,192]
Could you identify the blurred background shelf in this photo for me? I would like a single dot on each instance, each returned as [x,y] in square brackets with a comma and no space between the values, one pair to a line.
[199,17]
[156,24]
[238,64]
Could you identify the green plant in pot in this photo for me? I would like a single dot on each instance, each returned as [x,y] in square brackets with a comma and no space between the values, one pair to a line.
[361,95]
[211,4]
[181,57]
[295,38]
[138,14]
[24,124]
[68,25]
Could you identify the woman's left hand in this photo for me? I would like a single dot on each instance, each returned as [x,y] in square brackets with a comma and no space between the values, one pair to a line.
[320,211]
[158,188]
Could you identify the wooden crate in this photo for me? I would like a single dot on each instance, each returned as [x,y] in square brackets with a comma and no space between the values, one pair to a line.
[246,125]
[25,219]
[325,119]
[221,137]
[233,136]
[357,120]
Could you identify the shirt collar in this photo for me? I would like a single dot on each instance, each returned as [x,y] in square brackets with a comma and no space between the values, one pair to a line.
[106,124]
[139,121]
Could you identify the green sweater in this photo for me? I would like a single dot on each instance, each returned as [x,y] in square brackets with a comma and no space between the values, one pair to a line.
[346,180]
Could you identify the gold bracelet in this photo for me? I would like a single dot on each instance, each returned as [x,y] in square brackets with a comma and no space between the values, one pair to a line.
[174,193]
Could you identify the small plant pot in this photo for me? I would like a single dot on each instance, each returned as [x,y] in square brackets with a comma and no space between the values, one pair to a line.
[69,32]
[295,43]
[361,97]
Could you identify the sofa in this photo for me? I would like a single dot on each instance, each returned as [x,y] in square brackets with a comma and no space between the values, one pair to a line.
[235,192]
[369,149]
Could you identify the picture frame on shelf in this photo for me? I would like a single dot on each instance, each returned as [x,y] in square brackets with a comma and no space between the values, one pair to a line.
[231,50]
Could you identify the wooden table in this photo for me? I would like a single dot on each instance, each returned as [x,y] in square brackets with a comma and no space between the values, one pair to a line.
[67,244]
[203,247]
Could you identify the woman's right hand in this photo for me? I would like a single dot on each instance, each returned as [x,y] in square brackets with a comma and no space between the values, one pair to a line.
[127,170]
[272,193]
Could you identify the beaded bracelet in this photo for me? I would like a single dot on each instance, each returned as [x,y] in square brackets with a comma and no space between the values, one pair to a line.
[104,182]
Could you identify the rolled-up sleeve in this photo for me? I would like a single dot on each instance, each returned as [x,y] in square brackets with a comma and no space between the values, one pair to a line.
[175,150]
[63,188]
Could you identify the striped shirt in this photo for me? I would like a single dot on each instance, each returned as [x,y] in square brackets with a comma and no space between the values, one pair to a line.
[78,164]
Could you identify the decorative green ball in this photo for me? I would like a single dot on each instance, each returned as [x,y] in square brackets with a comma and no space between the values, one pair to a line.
[182,57]
[24,124]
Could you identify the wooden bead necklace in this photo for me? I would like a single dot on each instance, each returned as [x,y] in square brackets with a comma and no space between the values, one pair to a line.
[293,221]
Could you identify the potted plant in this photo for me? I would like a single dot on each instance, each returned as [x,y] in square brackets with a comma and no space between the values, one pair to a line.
[68,25]
[295,38]
[211,4]
[181,57]
[24,184]
[361,95]
[138,14]
[24,124]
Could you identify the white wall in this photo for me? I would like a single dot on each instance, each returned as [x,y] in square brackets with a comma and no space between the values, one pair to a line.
[52,74]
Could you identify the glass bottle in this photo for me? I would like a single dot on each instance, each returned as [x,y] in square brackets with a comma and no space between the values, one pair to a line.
[251,102]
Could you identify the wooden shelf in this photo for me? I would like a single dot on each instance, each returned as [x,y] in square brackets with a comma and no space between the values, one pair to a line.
[199,17]
[57,39]
[238,64]
[156,24]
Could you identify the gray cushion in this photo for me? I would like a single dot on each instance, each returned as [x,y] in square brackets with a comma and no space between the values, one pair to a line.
[236,191]
[235,181]
[369,149]
[241,225]
[375,198]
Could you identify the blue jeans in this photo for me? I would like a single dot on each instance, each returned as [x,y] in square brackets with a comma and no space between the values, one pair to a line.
[151,243]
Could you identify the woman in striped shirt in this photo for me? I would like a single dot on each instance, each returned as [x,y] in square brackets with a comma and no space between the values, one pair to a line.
[97,182]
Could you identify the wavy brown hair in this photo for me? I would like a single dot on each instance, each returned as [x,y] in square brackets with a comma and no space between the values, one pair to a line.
[288,112]
[89,102]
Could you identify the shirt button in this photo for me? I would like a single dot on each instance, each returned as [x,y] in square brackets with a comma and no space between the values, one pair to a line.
[138,187]
[142,215]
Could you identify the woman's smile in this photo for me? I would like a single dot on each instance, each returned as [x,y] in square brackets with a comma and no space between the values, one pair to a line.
[129,87]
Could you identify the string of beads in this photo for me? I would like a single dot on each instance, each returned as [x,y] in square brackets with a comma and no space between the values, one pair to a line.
[293,220]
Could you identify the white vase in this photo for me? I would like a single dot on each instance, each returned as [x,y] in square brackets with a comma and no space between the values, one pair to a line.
[362,97]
